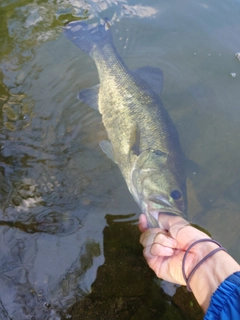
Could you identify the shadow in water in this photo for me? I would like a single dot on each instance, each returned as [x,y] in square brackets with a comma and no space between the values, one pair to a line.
[126,288]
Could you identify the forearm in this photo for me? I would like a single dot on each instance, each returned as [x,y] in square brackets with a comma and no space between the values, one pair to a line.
[210,275]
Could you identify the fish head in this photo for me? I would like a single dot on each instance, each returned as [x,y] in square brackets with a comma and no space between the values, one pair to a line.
[158,185]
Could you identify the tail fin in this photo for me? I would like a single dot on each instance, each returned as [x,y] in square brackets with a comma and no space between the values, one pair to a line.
[87,37]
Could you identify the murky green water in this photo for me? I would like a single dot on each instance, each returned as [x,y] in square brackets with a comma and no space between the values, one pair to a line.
[56,186]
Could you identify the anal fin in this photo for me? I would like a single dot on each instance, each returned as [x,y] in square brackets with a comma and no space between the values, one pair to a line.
[90,96]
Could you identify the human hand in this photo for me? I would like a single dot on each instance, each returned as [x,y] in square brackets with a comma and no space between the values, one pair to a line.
[164,247]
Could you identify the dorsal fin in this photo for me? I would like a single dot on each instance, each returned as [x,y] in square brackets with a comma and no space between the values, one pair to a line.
[153,76]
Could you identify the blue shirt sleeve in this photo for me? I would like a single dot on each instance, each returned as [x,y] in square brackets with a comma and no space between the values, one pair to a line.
[225,302]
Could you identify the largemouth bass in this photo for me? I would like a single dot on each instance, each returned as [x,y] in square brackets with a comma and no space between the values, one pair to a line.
[143,140]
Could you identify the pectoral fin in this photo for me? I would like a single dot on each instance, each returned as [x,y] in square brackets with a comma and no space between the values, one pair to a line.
[153,76]
[90,96]
[135,140]
[107,148]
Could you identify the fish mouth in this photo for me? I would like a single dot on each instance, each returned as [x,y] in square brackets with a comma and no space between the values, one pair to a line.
[164,207]
[155,213]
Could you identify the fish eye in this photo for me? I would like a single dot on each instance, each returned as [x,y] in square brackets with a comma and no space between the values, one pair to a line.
[176,194]
[159,153]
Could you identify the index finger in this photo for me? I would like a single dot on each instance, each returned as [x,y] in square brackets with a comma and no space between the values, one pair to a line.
[142,224]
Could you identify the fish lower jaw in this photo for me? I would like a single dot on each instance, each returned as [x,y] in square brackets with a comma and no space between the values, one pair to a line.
[155,213]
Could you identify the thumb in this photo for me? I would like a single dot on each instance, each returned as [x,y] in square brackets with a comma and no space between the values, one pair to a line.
[171,223]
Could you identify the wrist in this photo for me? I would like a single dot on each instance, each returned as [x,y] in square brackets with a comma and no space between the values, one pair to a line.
[200,253]
[210,275]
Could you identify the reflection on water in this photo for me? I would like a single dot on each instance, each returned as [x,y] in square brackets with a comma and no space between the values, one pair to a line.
[55,184]
[42,274]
